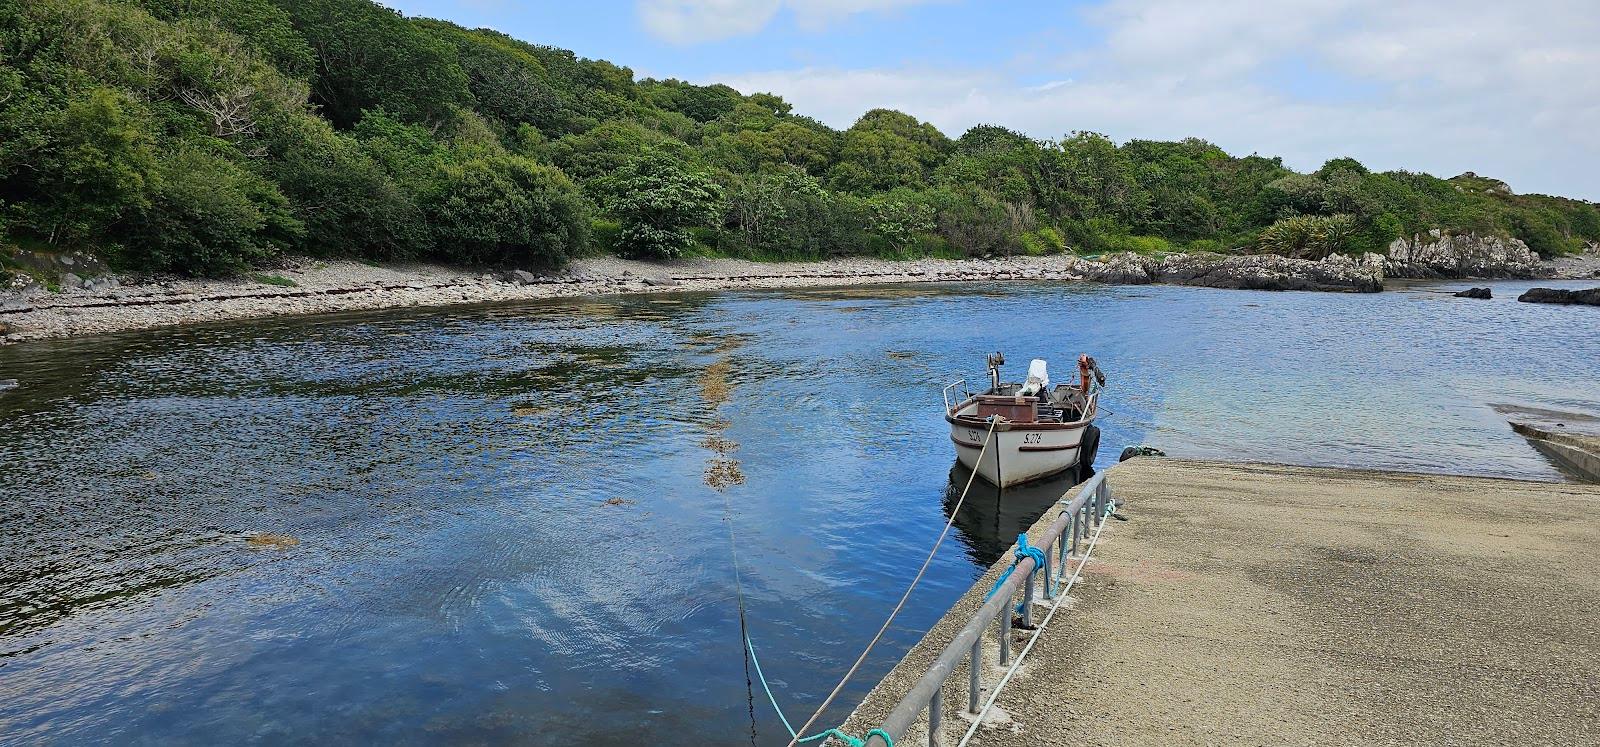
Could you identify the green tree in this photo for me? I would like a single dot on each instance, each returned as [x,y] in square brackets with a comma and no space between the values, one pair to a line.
[592,156]
[346,199]
[369,56]
[657,201]
[786,213]
[263,26]
[886,149]
[508,83]
[898,221]
[98,170]
[700,103]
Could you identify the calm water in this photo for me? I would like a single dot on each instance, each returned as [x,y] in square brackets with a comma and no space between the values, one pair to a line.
[505,521]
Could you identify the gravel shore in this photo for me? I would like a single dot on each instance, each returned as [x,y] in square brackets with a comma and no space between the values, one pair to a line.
[331,286]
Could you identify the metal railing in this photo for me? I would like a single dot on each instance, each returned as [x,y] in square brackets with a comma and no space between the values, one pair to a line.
[946,392]
[1060,542]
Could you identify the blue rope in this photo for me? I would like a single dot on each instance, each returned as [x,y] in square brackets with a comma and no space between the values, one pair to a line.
[997,582]
[846,738]
[852,741]
[751,647]
[1024,550]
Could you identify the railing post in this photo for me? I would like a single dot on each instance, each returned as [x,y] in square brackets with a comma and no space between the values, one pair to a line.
[1005,636]
[1061,557]
[974,671]
[1074,530]
[1027,601]
[935,706]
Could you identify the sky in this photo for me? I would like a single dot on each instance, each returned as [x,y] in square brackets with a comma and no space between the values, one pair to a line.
[1505,89]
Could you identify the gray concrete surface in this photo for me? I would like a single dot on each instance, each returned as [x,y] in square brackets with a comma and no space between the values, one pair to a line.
[1271,605]
[1576,452]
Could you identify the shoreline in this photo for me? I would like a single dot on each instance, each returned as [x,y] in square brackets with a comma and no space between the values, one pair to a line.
[333,286]
[320,287]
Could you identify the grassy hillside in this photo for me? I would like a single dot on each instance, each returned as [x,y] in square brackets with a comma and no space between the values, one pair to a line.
[207,136]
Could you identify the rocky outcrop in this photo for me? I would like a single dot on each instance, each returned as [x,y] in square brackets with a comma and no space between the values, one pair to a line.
[1587,297]
[1436,254]
[1338,272]
[1120,269]
[1244,272]
[1584,265]
[1479,293]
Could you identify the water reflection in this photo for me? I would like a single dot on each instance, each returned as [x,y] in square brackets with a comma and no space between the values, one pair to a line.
[504,524]
[990,519]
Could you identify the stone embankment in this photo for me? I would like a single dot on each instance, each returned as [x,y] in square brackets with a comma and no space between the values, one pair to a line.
[1577,451]
[310,287]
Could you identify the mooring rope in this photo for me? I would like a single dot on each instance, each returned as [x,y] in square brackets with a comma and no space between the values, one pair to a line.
[977,464]
[1061,596]
[744,629]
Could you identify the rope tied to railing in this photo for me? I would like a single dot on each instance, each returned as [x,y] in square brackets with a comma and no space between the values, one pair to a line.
[849,740]
[1024,550]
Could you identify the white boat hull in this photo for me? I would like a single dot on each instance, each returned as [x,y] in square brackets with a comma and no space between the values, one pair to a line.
[1017,454]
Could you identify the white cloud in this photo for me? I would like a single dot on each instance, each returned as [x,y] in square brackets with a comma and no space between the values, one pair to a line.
[686,21]
[1506,90]
[691,21]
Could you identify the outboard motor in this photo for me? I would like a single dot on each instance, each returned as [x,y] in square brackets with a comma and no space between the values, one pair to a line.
[1038,380]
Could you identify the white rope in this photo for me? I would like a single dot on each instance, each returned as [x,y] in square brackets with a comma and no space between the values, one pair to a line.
[1061,596]
[976,465]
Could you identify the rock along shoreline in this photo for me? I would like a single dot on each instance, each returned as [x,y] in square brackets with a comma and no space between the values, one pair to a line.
[335,286]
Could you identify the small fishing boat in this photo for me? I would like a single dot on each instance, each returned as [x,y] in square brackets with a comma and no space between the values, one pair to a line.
[1038,431]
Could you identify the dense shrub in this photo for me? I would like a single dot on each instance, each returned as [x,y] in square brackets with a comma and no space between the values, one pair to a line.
[505,209]
[207,215]
[1308,236]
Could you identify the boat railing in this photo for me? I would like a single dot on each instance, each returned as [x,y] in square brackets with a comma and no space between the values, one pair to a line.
[1060,544]
[946,392]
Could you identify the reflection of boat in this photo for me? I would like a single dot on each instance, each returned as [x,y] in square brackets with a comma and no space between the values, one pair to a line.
[990,525]
[1038,431]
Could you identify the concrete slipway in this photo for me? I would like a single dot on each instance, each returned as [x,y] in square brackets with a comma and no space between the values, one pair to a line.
[1272,605]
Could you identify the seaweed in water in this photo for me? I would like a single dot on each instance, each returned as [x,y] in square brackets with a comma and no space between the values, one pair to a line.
[719,444]
[271,541]
[722,474]
[714,388]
